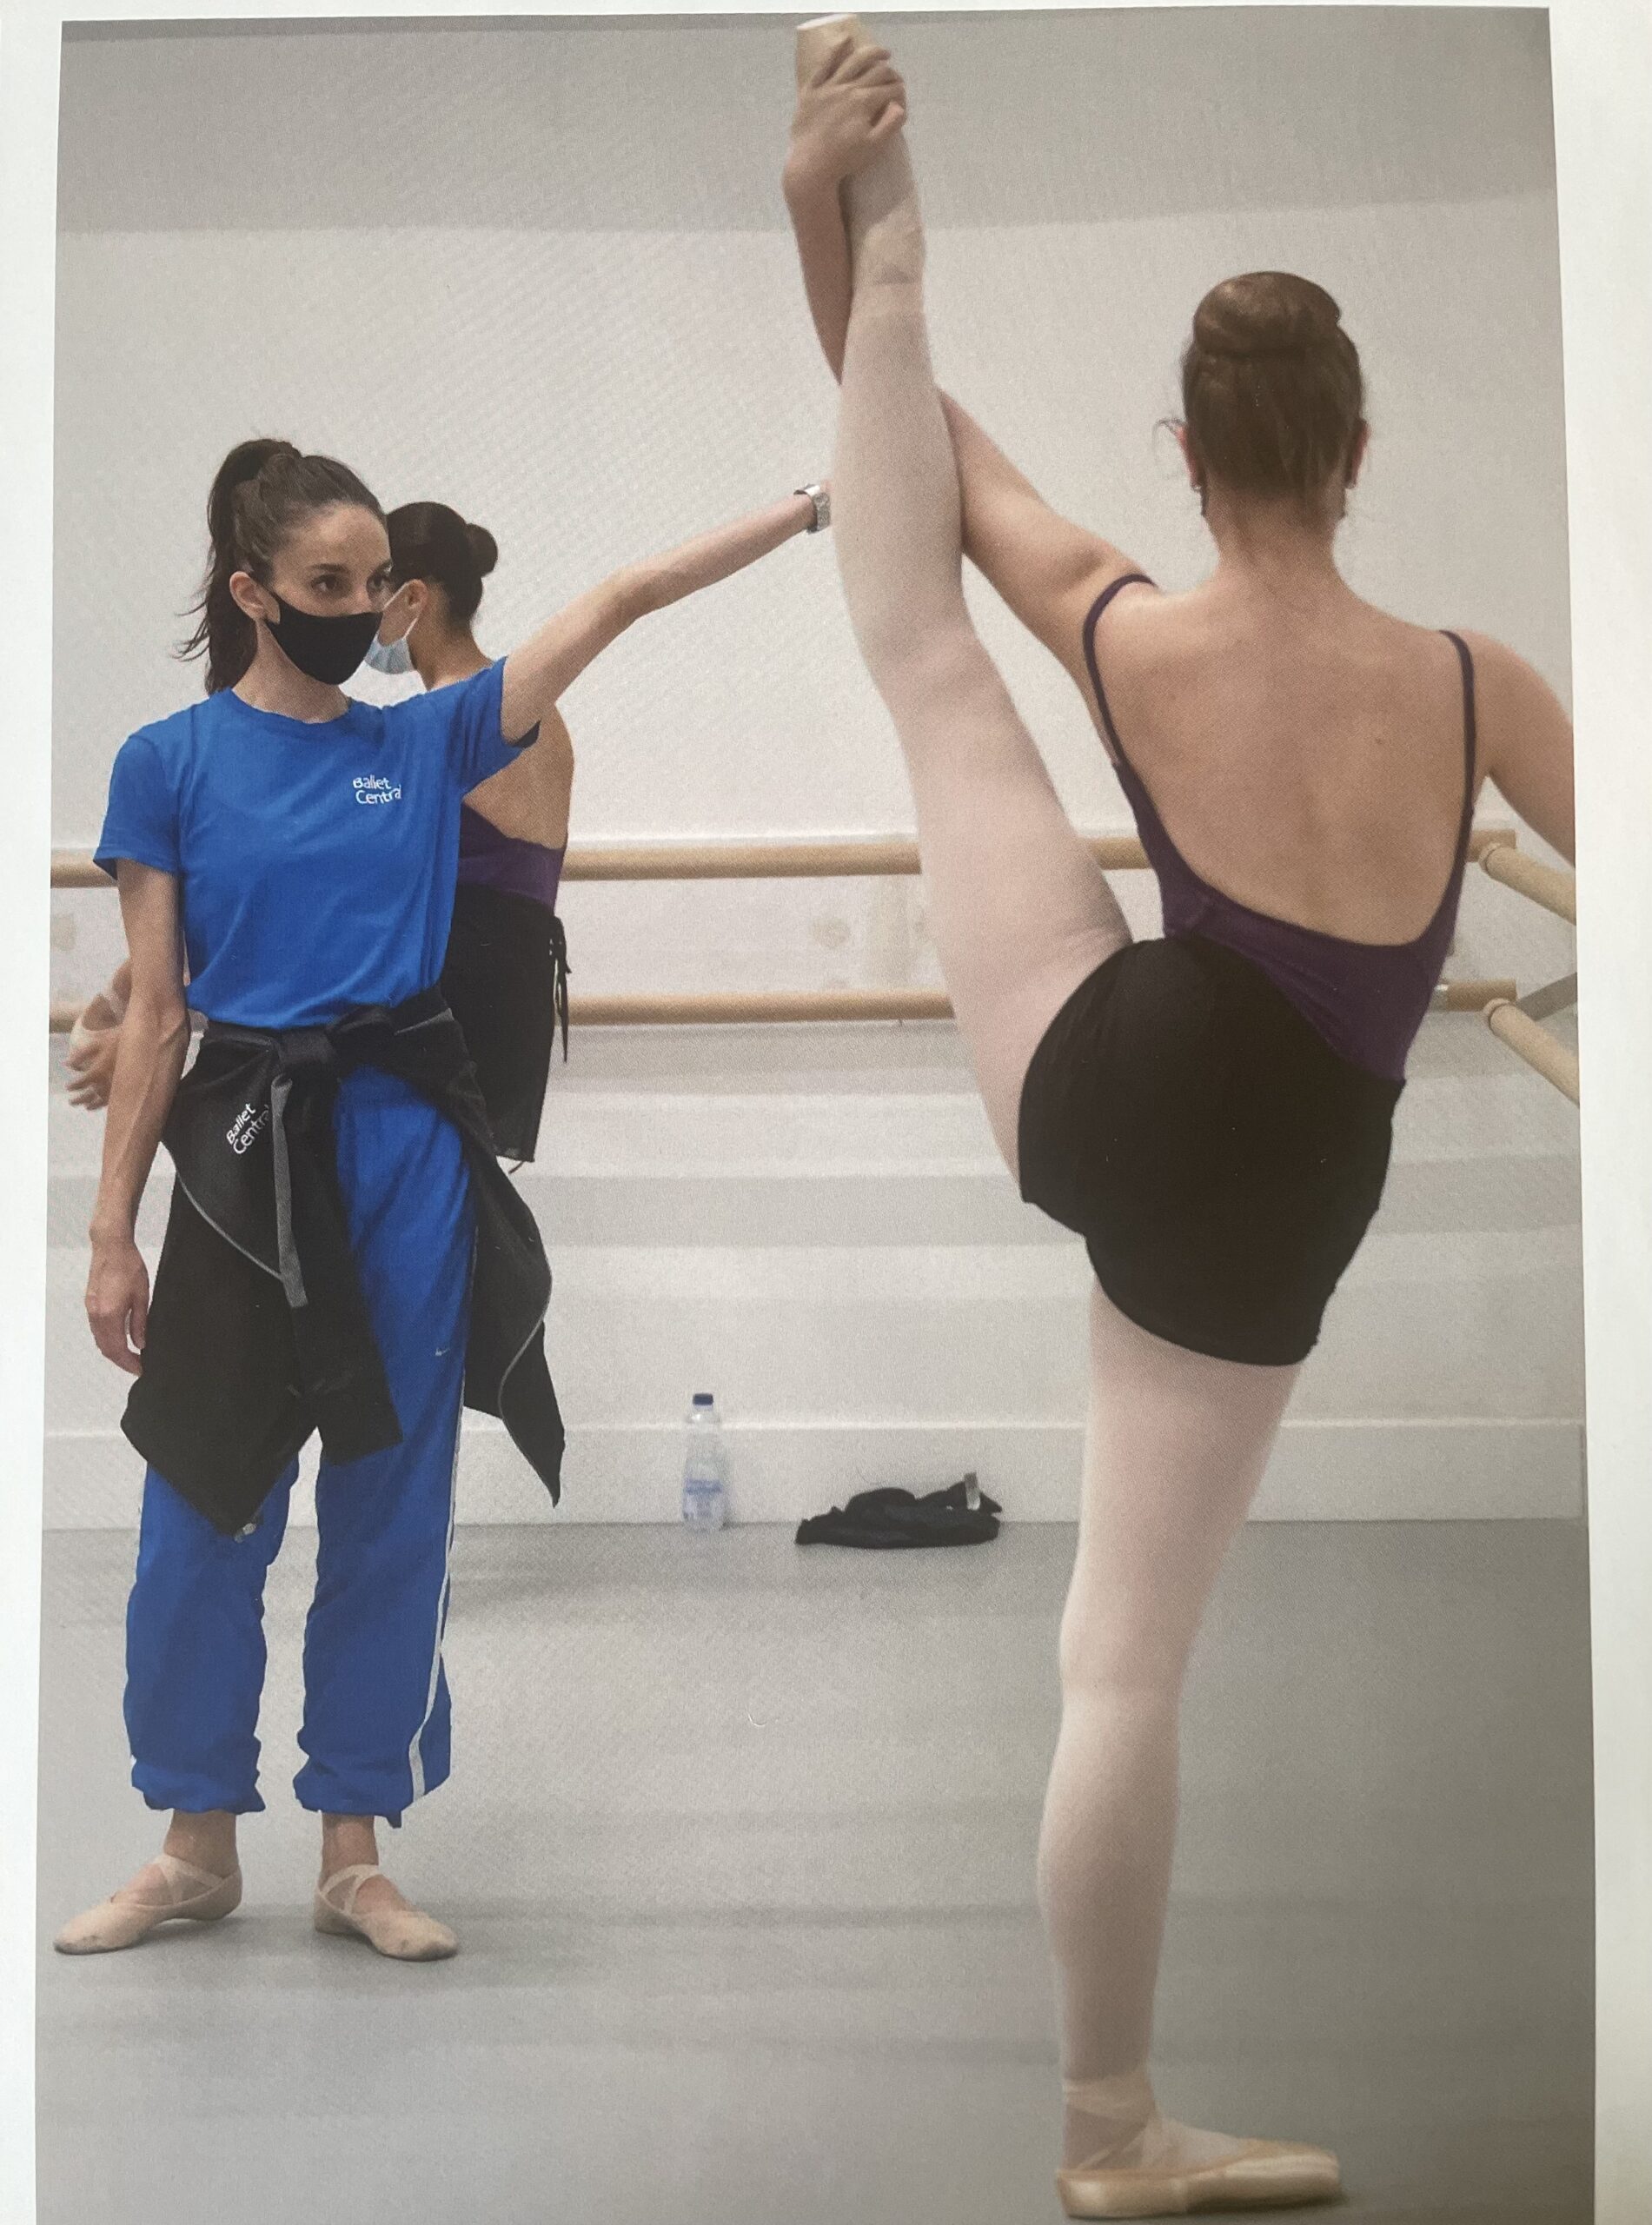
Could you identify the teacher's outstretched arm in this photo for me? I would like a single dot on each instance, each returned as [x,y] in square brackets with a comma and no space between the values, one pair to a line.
[550,660]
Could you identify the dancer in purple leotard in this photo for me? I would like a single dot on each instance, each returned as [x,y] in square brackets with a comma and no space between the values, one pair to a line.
[1210,1110]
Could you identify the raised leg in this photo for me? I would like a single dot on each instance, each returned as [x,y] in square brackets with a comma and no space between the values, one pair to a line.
[1019,908]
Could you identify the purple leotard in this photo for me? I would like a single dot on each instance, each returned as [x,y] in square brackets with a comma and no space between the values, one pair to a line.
[1367,999]
[504,861]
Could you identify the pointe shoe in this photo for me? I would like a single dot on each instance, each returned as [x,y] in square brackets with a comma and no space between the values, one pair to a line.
[816,39]
[405,1935]
[197,1896]
[1263,2175]
[880,200]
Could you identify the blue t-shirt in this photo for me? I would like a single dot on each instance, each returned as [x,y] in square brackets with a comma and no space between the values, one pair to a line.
[316,863]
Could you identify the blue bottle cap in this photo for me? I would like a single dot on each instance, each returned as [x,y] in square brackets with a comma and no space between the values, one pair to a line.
[704,1399]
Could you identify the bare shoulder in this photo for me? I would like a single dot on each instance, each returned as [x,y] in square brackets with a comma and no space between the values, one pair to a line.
[1493,661]
[1135,603]
[1510,692]
[1524,737]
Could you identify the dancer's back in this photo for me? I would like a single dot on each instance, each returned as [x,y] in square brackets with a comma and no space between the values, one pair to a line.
[1298,734]
[1307,761]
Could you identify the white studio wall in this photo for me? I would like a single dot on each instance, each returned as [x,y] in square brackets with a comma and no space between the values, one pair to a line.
[540,270]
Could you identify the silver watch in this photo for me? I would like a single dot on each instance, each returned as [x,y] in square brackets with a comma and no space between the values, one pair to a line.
[822,502]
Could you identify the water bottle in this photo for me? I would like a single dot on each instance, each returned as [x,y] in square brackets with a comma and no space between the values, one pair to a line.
[705,1471]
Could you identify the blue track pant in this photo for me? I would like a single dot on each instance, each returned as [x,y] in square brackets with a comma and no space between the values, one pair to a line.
[376,1716]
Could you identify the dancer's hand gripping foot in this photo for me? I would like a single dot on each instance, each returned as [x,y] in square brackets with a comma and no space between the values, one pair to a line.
[850,99]
[847,134]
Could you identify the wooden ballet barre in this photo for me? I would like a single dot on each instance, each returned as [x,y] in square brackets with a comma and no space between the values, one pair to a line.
[829,861]
[1529,1040]
[824,861]
[758,1008]
[1471,996]
[1546,884]
[75,869]
[819,860]
[765,1008]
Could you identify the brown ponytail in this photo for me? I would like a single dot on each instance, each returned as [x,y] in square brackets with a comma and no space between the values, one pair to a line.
[1272,393]
[263,489]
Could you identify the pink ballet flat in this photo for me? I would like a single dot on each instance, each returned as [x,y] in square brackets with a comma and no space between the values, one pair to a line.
[196,1898]
[405,1935]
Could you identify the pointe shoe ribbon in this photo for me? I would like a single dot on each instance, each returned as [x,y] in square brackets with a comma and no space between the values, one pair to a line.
[405,1935]
[1262,2174]
[195,1896]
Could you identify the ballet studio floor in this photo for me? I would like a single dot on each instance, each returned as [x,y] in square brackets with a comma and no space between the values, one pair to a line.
[740,1851]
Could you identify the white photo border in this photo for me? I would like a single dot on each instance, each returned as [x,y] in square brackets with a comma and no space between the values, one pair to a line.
[1603,84]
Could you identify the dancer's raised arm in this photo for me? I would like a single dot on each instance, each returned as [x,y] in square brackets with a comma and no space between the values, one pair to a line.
[550,660]
[1048,569]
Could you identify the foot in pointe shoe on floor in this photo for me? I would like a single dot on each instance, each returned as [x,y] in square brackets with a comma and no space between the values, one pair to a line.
[167,1890]
[1139,2164]
[1258,2174]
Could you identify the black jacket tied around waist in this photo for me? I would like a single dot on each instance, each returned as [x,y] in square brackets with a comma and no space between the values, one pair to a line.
[258,1331]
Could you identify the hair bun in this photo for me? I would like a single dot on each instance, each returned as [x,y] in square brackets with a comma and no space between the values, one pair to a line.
[483,548]
[1265,313]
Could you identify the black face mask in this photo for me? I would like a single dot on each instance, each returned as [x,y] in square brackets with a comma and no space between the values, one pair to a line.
[327,649]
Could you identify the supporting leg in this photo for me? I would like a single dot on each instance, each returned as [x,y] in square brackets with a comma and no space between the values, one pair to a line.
[1175,1447]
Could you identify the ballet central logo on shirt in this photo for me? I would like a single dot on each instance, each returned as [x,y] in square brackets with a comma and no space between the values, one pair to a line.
[245,1129]
[372,787]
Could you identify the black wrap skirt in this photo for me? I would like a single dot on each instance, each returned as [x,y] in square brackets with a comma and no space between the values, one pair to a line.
[505,977]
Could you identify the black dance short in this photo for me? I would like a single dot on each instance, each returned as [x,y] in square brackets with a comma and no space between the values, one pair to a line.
[1220,1160]
[506,979]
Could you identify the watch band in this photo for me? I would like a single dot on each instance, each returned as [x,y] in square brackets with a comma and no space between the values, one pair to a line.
[822,502]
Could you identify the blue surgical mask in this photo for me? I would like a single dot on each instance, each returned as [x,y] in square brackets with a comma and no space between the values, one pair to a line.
[393,659]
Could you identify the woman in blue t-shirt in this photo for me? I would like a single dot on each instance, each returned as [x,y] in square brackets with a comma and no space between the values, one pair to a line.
[293,854]
[505,976]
